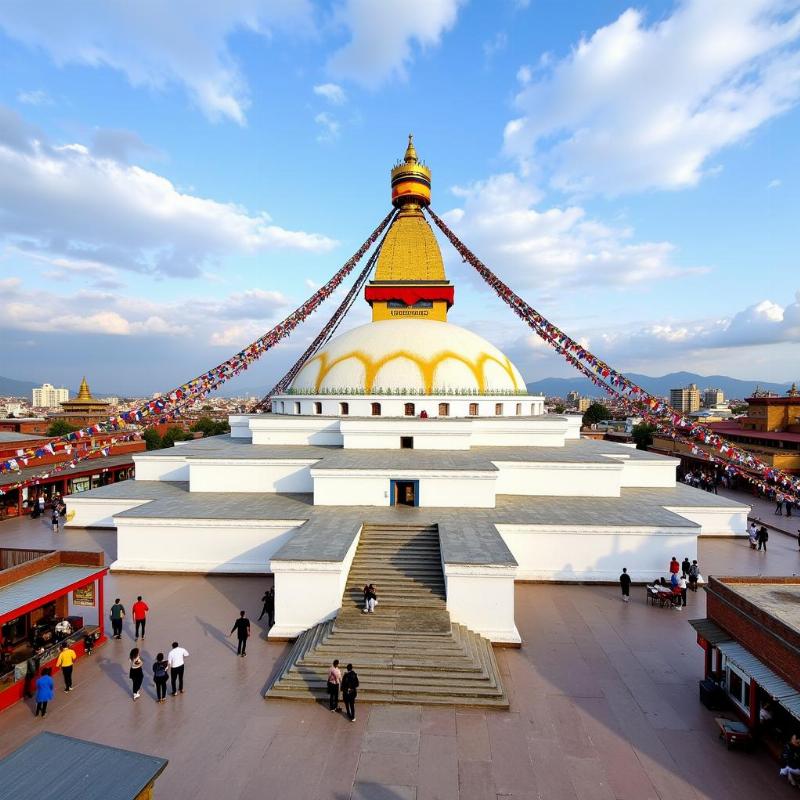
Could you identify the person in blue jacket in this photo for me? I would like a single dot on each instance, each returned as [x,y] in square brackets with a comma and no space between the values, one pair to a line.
[44,692]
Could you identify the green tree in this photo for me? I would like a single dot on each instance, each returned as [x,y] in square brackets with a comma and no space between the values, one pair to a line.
[152,439]
[174,434]
[60,427]
[560,408]
[210,427]
[643,435]
[596,412]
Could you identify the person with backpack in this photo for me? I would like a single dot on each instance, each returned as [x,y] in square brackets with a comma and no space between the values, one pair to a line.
[349,692]
[694,575]
[160,673]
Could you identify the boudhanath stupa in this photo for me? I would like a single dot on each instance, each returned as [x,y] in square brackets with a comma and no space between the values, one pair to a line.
[419,431]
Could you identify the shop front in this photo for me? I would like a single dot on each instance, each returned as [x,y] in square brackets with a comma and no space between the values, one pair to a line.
[47,599]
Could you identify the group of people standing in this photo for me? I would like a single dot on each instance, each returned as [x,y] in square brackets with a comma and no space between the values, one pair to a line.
[702,480]
[758,536]
[683,576]
[348,684]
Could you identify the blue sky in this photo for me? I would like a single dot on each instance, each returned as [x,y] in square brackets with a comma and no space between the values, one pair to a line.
[175,179]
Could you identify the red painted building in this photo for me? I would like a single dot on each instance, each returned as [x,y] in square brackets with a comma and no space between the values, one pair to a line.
[47,598]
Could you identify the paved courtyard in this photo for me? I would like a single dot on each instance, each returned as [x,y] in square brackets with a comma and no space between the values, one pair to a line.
[603,701]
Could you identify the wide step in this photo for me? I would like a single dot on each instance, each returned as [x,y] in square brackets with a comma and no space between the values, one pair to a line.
[407,651]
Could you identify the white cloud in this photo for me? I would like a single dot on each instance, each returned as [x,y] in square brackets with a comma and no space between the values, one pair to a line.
[637,106]
[157,44]
[330,127]
[495,45]
[67,202]
[774,183]
[385,35]
[552,248]
[216,320]
[332,92]
[34,97]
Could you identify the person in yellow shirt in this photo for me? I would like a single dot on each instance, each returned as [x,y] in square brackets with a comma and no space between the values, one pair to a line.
[66,658]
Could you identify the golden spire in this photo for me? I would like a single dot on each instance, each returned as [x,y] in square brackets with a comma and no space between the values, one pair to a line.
[411,180]
[411,153]
[83,392]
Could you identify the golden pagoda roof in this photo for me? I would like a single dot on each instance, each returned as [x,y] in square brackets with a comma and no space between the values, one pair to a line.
[410,251]
[83,393]
[83,398]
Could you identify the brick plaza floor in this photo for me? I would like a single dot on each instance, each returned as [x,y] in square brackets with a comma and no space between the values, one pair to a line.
[604,702]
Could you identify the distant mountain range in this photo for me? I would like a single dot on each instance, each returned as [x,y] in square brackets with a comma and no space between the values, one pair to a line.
[14,388]
[732,387]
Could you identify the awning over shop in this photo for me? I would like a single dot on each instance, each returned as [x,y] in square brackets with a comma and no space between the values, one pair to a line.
[775,686]
[23,595]
[710,631]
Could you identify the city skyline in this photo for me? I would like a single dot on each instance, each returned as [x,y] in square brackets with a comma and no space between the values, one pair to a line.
[160,210]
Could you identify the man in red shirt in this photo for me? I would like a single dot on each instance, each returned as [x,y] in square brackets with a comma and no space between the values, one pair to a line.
[674,567]
[140,609]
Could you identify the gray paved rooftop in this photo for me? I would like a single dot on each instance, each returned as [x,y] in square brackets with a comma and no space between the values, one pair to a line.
[136,490]
[603,695]
[7,437]
[782,600]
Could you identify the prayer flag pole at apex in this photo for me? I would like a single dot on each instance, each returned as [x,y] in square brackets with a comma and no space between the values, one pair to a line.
[411,186]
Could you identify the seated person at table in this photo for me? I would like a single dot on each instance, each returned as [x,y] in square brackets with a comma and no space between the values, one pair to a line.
[791,760]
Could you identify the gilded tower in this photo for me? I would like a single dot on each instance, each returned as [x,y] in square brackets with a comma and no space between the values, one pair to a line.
[410,280]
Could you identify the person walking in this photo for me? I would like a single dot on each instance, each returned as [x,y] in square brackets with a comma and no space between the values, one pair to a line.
[349,692]
[40,502]
[66,658]
[625,585]
[334,681]
[674,566]
[139,611]
[787,504]
[44,692]
[54,521]
[268,607]
[779,504]
[160,669]
[242,628]
[176,660]
[685,564]
[117,615]
[763,537]
[136,672]
[684,586]
[694,575]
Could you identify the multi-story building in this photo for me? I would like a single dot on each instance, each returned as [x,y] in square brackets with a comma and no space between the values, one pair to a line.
[685,400]
[713,398]
[48,396]
[583,403]
[770,431]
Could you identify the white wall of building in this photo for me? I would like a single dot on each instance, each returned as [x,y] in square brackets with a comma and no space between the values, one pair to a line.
[482,599]
[273,429]
[308,592]
[240,425]
[596,553]
[715,521]
[85,512]
[547,431]
[385,434]
[205,546]
[161,468]
[558,480]
[647,474]
[250,475]
[474,489]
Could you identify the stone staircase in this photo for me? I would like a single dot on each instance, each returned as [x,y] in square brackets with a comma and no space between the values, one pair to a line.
[407,651]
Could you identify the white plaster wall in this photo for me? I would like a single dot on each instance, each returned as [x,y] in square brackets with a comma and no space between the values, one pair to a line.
[574,422]
[384,434]
[275,429]
[361,488]
[716,521]
[244,475]
[482,599]
[306,593]
[186,545]
[90,614]
[394,405]
[653,474]
[558,480]
[97,513]
[240,425]
[161,468]
[560,553]
[542,432]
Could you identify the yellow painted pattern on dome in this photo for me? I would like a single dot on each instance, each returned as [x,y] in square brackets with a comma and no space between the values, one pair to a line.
[426,366]
[410,251]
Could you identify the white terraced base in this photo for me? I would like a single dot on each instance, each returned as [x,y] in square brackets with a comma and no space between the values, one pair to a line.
[407,651]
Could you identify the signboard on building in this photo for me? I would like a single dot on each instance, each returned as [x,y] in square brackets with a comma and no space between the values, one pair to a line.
[83,596]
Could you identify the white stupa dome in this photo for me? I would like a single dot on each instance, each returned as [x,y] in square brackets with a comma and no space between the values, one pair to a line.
[409,356]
